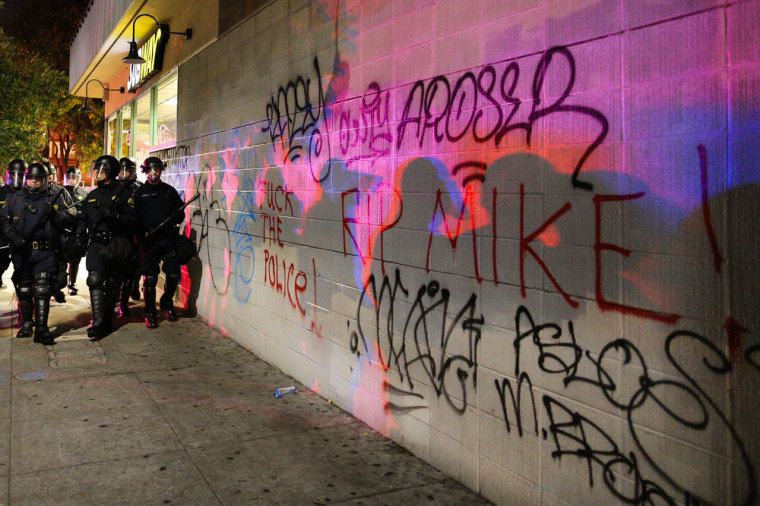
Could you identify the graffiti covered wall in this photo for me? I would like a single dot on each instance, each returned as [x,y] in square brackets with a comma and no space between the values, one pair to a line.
[519,238]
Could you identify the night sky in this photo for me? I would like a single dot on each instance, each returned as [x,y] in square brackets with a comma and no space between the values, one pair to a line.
[45,26]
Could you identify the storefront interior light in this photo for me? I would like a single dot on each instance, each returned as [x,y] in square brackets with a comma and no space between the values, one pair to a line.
[134,57]
[86,107]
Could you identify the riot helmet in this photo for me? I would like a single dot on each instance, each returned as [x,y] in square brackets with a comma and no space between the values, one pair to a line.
[36,177]
[52,171]
[72,177]
[106,167]
[14,177]
[126,170]
[153,166]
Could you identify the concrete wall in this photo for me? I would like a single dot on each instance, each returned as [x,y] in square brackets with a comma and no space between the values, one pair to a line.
[518,237]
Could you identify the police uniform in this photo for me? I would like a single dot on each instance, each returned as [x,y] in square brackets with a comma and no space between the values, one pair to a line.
[5,247]
[127,177]
[155,203]
[30,220]
[110,221]
[65,200]
[73,249]
[14,181]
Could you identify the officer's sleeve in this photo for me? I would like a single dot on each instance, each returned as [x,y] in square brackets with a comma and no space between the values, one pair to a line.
[6,221]
[83,220]
[64,216]
[128,216]
[179,217]
[3,213]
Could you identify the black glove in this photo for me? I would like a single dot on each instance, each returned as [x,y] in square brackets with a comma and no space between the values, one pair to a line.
[16,241]
[108,213]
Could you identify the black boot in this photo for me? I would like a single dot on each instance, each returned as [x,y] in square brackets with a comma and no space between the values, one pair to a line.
[135,283]
[26,325]
[167,304]
[26,329]
[42,334]
[149,292]
[101,326]
[167,299]
[73,271]
[124,300]
[112,297]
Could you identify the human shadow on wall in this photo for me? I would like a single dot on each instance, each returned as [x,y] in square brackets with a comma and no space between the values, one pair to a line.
[532,226]
[192,286]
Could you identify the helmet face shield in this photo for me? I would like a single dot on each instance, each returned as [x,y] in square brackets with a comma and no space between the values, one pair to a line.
[36,178]
[126,173]
[105,167]
[152,167]
[127,169]
[36,183]
[154,173]
[99,171]
[15,180]
[72,178]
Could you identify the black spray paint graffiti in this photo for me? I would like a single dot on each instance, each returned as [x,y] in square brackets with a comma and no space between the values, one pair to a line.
[467,108]
[176,158]
[431,326]
[577,436]
[480,106]
[214,233]
[752,354]
[293,123]
[366,133]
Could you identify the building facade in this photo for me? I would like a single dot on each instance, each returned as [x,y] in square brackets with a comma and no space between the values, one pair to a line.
[517,237]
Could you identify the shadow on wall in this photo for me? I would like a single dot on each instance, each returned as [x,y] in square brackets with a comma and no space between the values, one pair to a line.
[521,233]
[513,231]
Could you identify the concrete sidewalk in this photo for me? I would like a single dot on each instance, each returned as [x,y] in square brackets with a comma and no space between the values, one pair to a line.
[181,415]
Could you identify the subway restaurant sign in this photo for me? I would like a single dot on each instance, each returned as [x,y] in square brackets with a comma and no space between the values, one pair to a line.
[153,54]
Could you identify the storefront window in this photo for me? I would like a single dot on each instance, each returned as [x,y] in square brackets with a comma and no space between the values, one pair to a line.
[166,112]
[142,128]
[146,124]
[126,133]
[111,140]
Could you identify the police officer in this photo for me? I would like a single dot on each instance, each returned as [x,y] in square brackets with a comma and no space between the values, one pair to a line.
[128,178]
[137,277]
[52,174]
[30,218]
[14,181]
[54,188]
[74,249]
[157,204]
[109,219]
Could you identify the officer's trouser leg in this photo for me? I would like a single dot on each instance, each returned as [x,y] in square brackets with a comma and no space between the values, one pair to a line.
[112,297]
[149,294]
[126,290]
[43,288]
[73,272]
[167,299]
[59,283]
[5,262]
